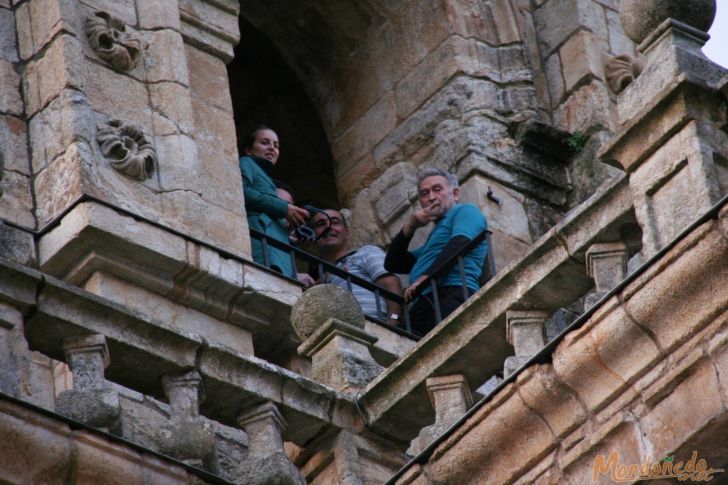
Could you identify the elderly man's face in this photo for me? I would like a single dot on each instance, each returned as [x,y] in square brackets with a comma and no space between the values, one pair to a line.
[333,237]
[438,195]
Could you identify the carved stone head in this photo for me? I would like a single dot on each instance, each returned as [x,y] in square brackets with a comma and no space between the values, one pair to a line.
[111,42]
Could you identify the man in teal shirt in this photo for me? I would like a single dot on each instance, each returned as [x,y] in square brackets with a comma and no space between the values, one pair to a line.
[455,225]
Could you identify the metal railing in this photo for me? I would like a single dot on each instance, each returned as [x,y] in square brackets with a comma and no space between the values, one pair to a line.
[380,293]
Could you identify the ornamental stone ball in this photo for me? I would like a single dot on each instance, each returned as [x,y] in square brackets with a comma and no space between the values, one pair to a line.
[319,304]
[640,17]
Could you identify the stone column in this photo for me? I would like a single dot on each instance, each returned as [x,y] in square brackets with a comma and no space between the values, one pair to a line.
[92,400]
[670,140]
[606,263]
[186,437]
[331,323]
[525,330]
[267,461]
[340,356]
[451,398]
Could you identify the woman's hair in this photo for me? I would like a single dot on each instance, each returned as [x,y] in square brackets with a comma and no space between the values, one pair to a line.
[250,139]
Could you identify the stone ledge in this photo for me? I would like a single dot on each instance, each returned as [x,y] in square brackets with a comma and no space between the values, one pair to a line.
[42,448]
[143,351]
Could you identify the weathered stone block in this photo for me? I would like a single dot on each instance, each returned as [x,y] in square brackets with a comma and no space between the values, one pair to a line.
[366,132]
[556,20]
[582,56]
[160,14]
[578,364]
[66,119]
[541,390]
[585,108]
[669,301]
[624,438]
[172,101]
[16,202]
[267,461]
[673,185]
[214,134]
[58,69]
[14,144]
[8,46]
[467,455]
[10,101]
[35,449]
[181,319]
[165,59]
[619,43]
[97,407]
[622,346]
[509,217]
[17,245]
[670,422]
[452,56]
[130,101]
[95,456]
[208,78]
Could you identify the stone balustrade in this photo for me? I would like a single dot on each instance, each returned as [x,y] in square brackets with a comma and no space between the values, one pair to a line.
[233,380]
[472,341]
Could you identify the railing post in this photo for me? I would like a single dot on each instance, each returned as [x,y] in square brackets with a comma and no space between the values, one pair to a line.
[93,400]
[267,461]
[606,263]
[525,331]
[451,398]
[186,437]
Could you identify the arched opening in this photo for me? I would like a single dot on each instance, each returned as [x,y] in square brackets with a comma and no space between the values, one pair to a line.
[265,90]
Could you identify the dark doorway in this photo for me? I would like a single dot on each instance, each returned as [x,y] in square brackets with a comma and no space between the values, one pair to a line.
[265,90]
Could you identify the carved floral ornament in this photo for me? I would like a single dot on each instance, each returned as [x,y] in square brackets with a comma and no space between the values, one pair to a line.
[128,149]
[111,42]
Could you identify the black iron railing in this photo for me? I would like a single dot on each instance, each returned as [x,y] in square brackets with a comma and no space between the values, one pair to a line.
[380,293]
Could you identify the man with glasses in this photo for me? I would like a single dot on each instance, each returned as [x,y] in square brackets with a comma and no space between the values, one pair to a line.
[455,226]
[367,262]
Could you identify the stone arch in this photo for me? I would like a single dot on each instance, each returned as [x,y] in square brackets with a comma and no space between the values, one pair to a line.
[265,90]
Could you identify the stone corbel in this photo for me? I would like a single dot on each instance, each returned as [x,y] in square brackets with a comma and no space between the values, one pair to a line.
[93,400]
[525,330]
[267,461]
[186,436]
[451,398]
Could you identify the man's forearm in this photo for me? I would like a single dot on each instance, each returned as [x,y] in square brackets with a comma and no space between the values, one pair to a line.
[391,283]
[398,259]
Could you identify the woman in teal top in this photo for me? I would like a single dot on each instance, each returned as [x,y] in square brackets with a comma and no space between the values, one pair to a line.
[267,213]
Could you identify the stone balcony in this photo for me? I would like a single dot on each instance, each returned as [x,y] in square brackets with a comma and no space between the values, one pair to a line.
[239,302]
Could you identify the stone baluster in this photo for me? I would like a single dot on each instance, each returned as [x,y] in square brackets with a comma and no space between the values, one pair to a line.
[331,324]
[606,263]
[186,436]
[451,398]
[267,461]
[525,330]
[93,400]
